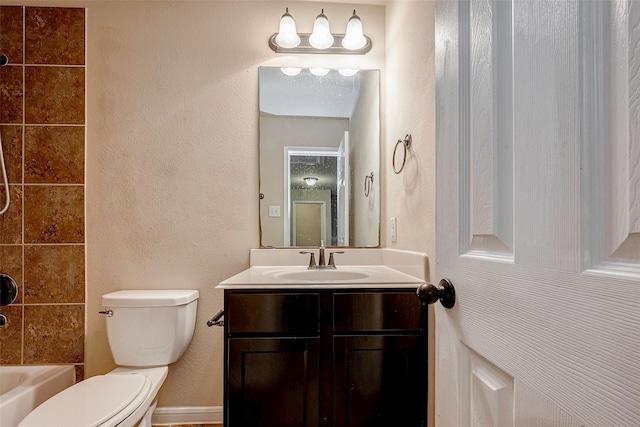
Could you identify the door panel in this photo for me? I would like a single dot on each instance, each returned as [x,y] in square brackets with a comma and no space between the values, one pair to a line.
[379,381]
[343,190]
[611,170]
[309,220]
[538,188]
[273,382]
[487,148]
[491,393]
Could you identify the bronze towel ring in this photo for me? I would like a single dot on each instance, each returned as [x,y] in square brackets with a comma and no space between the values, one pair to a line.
[368,183]
[406,143]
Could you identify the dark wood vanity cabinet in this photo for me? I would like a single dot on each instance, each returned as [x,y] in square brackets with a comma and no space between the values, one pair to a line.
[343,358]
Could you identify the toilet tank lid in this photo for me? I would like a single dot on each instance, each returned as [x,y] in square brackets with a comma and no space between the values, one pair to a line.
[149,298]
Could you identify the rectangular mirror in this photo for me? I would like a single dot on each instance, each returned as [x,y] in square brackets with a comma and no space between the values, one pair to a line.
[319,157]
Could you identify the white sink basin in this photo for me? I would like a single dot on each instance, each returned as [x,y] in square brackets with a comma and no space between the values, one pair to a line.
[299,277]
[322,275]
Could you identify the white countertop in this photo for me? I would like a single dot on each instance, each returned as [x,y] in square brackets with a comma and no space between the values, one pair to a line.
[278,277]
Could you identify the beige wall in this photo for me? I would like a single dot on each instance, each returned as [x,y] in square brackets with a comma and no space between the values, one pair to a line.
[410,108]
[364,128]
[172,156]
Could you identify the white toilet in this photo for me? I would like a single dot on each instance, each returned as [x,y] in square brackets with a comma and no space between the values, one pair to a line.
[147,330]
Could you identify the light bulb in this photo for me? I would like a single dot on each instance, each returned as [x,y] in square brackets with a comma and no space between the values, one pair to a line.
[319,71]
[354,36]
[310,180]
[291,71]
[321,37]
[287,35]
[348,72]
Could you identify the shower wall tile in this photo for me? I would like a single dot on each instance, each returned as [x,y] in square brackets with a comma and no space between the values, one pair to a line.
[53,334]
[54,36]
[42,111]
[11,220]
[54,95]
[54,214]
[11,94]
[11,336]
[11,264]
[11,33]
[79,373]
[53,274]
[54,155]
[12,149]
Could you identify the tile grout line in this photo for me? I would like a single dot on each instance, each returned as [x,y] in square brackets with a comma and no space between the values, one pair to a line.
[24,119]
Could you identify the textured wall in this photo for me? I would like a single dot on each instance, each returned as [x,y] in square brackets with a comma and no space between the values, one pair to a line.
[364,127]
[42,236]
[410,108]
[172,155]
[410,105]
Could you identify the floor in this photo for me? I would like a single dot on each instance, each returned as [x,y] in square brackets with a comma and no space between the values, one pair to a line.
[192,425]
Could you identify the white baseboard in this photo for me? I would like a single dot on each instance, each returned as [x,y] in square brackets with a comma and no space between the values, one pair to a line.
[168,415]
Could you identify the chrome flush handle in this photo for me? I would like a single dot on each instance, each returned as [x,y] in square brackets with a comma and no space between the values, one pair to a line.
[108,313]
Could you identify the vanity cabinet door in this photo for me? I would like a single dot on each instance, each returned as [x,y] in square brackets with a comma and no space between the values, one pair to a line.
[273,382]
[380,359]
[379,381]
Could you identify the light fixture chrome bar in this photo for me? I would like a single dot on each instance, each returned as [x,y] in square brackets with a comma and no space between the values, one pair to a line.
[305,47]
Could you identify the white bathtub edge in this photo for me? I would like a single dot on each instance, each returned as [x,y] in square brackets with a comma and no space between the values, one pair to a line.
[43,382]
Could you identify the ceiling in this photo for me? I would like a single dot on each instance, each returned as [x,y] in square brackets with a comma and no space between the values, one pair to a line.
[308,95]
[325,168]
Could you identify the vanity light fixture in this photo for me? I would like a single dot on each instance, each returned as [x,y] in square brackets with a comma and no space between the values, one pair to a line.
[310,180]
[287,40]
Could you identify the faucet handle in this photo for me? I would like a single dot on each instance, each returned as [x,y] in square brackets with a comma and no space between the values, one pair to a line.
[312,260]
[331,261]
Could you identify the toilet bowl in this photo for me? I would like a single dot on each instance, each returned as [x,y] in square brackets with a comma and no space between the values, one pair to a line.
[147,330]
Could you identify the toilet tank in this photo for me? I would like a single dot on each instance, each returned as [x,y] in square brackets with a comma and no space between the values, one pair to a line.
[150,327]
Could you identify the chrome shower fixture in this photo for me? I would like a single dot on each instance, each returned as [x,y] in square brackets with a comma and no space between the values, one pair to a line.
[4,60]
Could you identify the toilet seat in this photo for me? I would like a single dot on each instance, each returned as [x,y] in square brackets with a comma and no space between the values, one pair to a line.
[100,401]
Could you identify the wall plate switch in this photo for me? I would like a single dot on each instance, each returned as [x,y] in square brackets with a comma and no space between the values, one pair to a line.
[394,229]
[274,211]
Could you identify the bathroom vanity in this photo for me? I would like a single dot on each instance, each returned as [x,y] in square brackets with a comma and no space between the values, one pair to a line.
[345,349]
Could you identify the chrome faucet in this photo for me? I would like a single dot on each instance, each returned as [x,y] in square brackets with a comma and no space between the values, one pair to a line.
[321,249]
[321,258]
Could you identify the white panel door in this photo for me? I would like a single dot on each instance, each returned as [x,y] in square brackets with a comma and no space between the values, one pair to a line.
[538,213]
[342,189]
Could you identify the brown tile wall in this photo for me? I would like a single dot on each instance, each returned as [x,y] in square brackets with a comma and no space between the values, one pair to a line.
[42,125]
